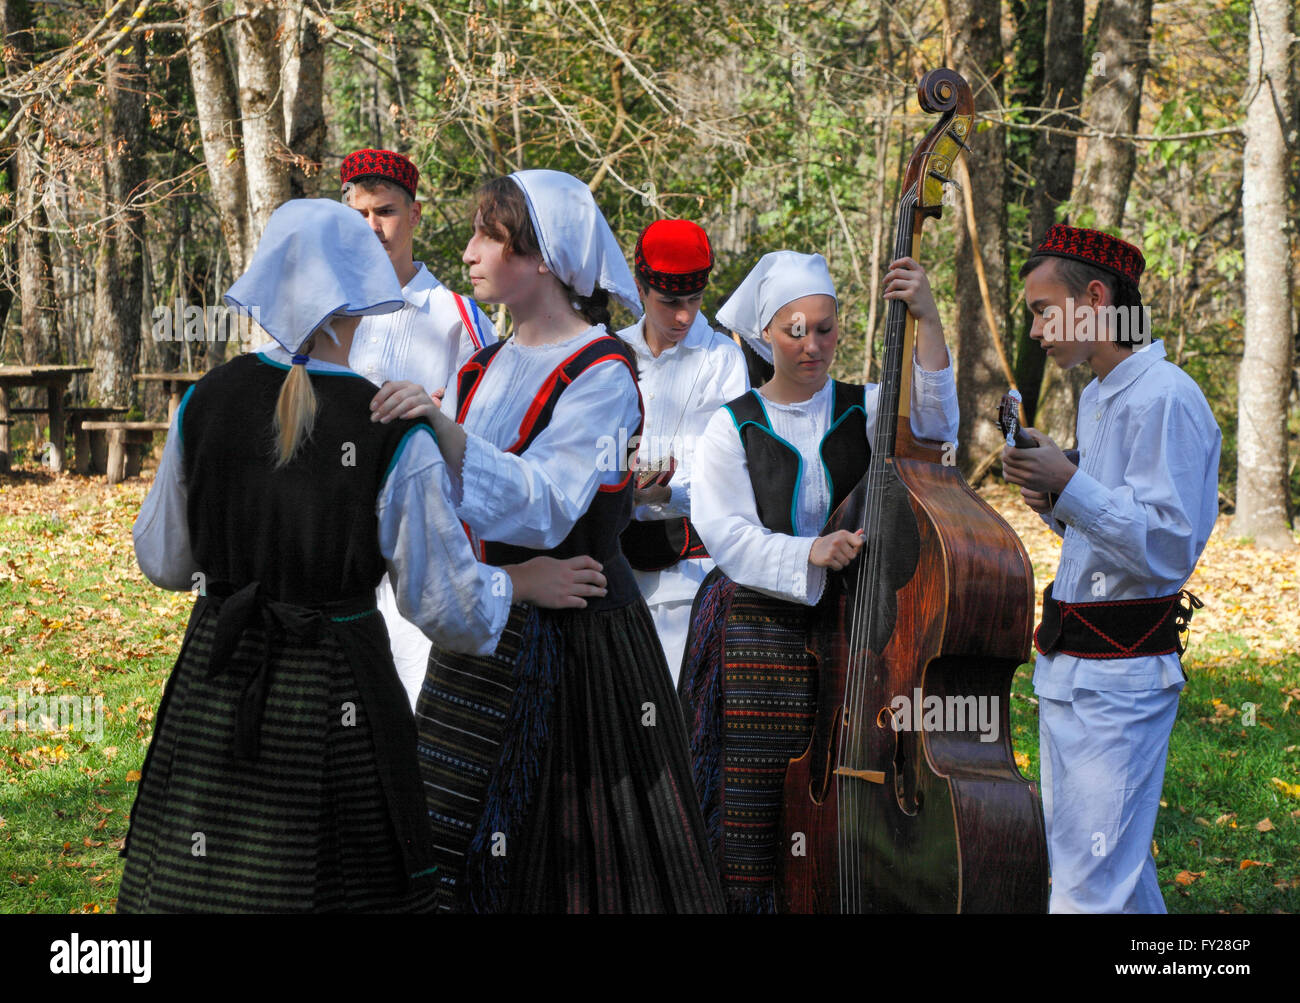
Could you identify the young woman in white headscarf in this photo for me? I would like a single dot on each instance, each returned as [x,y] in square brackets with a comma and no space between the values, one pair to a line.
[557,772]
[282,776]
[771,467]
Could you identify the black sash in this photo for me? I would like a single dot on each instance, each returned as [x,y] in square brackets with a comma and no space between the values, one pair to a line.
[660,543]
[1126,628]
[238,610]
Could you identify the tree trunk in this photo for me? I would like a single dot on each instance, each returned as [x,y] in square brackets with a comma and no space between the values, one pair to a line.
[266,158]
[1264,378]
[214,97]
[38,315]
[119,264]
[1115,75]
[975,27]
[304,119]
[1051,163]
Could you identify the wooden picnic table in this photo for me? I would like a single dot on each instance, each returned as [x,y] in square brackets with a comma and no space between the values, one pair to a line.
[55,380]
[175,384]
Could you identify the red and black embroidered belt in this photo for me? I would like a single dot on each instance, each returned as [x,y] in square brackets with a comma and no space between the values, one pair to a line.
[1123,628]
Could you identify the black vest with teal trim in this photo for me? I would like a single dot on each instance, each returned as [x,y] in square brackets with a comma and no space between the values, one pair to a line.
[596,533]
[251,522]
[844,454]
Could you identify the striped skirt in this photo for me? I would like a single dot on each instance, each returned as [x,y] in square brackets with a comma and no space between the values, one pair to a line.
[305,827]
[749,691]
[557,775]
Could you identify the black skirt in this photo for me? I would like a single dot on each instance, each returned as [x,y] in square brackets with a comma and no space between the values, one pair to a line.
[557,774]
[296,800]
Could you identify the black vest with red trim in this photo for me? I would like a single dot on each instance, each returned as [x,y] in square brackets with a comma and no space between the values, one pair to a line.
[596,533]
[844,454]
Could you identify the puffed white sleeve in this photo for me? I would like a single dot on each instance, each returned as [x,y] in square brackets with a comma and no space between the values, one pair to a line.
[534,500]
[725,513]
[935,414]
[162,532]
[458,602]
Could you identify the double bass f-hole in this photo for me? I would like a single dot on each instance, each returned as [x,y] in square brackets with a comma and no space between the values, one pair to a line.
[904,761]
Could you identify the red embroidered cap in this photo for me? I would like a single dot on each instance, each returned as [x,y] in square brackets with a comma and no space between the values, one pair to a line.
[674,256]
[1095,248]
[380,164]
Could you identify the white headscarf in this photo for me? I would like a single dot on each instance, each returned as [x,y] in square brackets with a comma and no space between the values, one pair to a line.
[577,244]
[777,279]
[316,259]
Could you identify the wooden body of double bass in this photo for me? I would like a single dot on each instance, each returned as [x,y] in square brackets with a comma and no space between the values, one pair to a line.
[950,825]
[892,809]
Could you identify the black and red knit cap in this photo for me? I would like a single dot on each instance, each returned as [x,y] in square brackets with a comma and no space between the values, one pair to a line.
[380,164]
[1116,256]
[674,257]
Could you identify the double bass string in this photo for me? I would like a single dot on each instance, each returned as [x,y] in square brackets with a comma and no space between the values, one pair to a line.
[863,619]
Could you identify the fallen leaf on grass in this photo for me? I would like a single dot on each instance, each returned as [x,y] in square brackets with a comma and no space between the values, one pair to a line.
[1203,821]
[1187,877]
[132,776]
[1291,790]
[1253,863]
[1225,819]
[1264,825]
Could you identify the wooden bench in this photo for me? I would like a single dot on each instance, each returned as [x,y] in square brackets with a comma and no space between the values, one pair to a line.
[76,416]
[117,448]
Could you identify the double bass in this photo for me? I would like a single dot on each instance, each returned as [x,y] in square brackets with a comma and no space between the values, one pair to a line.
[895,807]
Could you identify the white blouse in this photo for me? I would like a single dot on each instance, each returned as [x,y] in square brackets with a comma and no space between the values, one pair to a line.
[534,500]
[722,503]
[459,603]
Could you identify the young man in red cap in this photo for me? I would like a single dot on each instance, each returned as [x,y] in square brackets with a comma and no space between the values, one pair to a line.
[426,342]
[1135,512]
[687,371]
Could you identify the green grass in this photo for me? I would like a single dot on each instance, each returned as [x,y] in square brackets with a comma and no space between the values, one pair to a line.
[80,620]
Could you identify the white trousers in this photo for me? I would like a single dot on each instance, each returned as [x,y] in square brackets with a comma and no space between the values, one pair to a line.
[672,623]
[1103,766]
[410,646]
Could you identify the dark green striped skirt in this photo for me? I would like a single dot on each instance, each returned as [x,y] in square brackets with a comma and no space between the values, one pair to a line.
[307,825]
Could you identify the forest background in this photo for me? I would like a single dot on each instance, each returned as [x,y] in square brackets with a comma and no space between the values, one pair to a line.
[143,146]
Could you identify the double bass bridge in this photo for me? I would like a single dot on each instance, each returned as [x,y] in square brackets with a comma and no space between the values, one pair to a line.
[870,776]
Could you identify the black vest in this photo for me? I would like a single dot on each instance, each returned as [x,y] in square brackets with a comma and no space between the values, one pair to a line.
[308,531]
[596,533]
[844,454]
